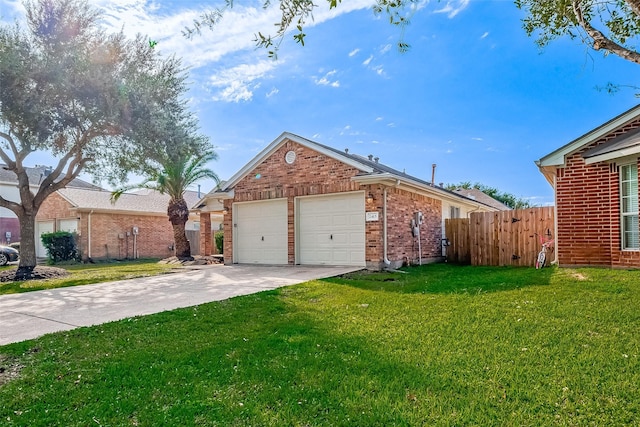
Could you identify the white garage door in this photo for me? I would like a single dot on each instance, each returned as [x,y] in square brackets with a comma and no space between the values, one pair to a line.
[260,232]
[331,230]
[42,227]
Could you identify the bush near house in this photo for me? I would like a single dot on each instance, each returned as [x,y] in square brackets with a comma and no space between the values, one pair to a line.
[60,246]
[219,240]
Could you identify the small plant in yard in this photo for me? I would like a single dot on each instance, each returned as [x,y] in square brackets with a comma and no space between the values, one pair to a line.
[437,345]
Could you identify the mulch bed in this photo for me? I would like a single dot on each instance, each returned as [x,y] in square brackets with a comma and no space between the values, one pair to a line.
[40,272]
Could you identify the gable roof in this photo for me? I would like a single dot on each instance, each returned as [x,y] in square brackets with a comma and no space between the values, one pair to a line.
[557,158]
[370,171]
[144,202]
[37,174]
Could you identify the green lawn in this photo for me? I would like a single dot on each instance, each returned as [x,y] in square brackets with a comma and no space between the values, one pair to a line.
[86,274]
[439,345]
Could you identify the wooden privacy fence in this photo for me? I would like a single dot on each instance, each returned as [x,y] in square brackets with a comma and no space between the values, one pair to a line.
[499,238]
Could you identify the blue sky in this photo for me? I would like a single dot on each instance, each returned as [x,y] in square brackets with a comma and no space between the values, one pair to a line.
[474,94]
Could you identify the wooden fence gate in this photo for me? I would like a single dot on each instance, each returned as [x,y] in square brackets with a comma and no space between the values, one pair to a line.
[499,238]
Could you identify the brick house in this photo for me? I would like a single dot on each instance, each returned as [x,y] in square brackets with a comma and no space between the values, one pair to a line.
[595,179]
[300,202]
[9,225]
[135,226]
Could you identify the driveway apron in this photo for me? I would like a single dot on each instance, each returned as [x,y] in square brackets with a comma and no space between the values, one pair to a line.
[32,314]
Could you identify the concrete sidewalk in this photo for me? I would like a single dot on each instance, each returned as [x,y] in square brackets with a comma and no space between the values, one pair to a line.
[30,315]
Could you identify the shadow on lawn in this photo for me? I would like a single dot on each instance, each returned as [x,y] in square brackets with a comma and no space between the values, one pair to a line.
[447,278]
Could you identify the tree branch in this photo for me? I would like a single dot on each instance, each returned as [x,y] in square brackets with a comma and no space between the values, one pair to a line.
[634,5]
[600,41]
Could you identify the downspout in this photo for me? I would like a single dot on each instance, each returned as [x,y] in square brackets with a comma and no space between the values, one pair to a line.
[555,216]
[89,234]
[386,261]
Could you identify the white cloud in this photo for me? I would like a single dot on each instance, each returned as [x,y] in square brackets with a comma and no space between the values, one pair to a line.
[272,92]
[379,119]
[238,83]
[391,125]
[453,7]
[367,61]
[353,53]
[485,35]
[386,48]
[476,138]
[326,81]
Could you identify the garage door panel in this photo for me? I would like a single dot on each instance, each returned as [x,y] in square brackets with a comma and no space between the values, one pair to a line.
[331,229]
[260,232]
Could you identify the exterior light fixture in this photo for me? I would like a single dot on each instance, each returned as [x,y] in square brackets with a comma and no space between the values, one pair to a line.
[370,198]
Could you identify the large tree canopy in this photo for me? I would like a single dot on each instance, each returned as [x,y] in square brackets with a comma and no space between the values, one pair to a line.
[610,26]
[97,102]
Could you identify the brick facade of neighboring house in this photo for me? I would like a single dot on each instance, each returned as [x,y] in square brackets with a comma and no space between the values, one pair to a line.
[136,226]
[297,172]
[586,176]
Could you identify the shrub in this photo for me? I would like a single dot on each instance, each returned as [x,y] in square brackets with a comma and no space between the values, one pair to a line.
[219,240]
[60,246]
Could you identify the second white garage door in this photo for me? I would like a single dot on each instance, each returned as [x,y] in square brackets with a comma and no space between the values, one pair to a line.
[331,229]
[260,232]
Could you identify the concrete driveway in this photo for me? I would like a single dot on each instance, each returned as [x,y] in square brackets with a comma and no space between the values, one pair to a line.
[30,315]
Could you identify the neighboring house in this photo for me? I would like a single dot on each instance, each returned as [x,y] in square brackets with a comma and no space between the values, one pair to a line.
[595,178]
[9,225]
[135,226]
[300,202]
[475,194]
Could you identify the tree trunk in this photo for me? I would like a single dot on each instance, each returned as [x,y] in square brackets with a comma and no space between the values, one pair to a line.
[27,246]
[179,215]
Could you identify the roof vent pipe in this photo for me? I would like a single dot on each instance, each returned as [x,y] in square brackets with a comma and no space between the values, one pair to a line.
[346,150]
[370,157]
[375,159]
[433,174]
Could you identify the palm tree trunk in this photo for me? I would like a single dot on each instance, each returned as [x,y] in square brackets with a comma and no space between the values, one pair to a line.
[179,215]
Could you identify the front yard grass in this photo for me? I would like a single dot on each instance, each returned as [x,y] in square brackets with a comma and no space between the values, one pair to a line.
[85,274]
[438,345]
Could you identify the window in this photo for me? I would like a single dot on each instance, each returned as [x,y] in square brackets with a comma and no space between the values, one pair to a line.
[629,206]
[454,212]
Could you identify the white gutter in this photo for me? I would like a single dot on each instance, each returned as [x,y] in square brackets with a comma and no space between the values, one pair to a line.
[387,263]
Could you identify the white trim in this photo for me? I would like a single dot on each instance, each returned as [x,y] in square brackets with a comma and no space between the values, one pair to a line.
[613,155]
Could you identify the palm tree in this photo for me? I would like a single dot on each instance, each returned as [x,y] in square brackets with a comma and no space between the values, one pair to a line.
[177,174]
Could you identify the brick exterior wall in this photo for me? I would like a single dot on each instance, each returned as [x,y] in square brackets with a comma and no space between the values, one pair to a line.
[316,174]
[109,238]
[588,211]
[11,225]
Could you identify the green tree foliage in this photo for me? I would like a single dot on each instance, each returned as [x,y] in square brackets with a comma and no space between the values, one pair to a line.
[89,98]
[177,173]
[610,26]
[508,199]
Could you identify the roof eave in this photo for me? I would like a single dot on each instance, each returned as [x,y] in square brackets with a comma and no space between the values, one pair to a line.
[414,186]
[613,155]
[557,157]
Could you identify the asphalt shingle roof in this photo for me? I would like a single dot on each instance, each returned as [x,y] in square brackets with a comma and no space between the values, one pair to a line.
[37,174]
[147,201]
